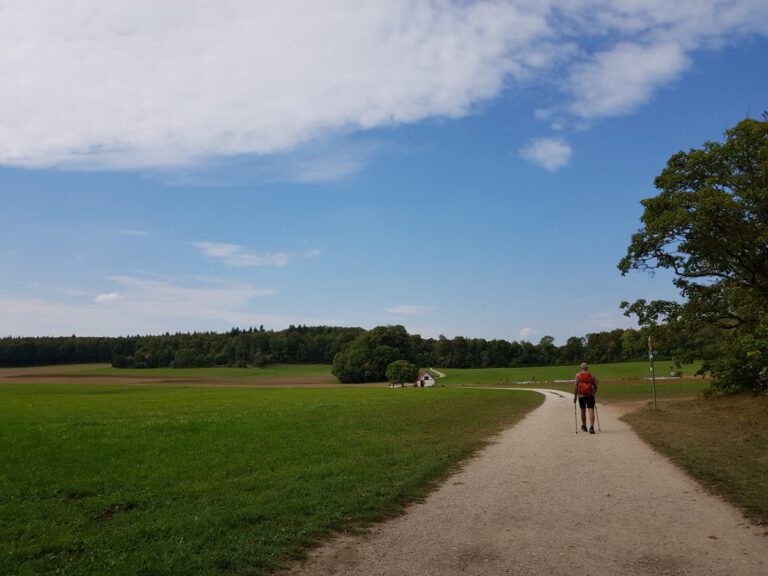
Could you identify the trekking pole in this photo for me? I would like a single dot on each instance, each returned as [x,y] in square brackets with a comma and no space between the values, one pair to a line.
[597,416]
[575,419]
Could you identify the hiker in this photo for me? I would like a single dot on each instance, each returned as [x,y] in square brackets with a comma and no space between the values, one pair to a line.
[586,386]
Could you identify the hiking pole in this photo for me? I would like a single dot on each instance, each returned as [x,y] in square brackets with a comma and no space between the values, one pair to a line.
[597,417]
[575,420]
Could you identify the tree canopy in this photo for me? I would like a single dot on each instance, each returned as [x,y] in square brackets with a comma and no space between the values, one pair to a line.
[709,226]
[320,344]
[402,372]
[367,356]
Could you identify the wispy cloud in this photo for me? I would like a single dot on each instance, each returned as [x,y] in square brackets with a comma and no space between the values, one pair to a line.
[236,255]
[608,320]
[167,293]
[617,81]
[142,305]
[410,310]
[314,253]
[106,298]
[627,51]
[328,159]
[549,153]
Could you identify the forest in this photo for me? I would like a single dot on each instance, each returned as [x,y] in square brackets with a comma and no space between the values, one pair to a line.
[320,344]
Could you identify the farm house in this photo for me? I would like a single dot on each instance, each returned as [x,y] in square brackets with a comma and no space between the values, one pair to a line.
[424,379]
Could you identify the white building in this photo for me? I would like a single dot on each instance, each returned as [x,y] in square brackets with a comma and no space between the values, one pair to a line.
[424,379]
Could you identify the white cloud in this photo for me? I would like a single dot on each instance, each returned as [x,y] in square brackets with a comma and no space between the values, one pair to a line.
[628,49]
[236,255]
[410,309]
[314,253]
[106,298]
[549,153]
[171,296]
[619,80]
[526,333]
[142,83]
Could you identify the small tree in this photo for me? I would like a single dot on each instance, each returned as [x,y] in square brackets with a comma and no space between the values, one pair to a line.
[402,371]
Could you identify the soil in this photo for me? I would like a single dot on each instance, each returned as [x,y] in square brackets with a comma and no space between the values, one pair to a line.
[236,382]
[545,500]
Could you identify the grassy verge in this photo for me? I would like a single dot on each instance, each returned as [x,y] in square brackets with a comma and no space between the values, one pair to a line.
[722,442]
[196,481]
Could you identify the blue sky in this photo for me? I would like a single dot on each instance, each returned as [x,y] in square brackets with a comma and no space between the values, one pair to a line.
[461,168]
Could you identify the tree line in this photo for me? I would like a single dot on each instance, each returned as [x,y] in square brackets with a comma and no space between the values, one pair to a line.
[251,347]
[317,345]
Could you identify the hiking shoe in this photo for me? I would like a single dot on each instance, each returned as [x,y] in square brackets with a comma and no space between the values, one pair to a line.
[591,429]
[583,427]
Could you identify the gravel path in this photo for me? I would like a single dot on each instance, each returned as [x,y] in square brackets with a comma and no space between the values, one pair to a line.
[543,500]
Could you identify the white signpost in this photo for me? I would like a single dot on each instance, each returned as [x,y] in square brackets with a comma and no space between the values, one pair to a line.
[653,373]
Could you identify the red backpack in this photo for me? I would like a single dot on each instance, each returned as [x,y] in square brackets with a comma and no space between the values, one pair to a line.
[586,384]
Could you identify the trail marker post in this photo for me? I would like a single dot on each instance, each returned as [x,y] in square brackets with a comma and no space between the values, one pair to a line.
[653,372]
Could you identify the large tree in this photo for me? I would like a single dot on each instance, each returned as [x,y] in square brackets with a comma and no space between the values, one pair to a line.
[709,225]
[367,356]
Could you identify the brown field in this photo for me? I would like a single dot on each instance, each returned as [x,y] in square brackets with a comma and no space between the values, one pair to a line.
[69,375]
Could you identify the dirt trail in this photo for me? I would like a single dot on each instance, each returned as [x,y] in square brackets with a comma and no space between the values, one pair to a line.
[543,500]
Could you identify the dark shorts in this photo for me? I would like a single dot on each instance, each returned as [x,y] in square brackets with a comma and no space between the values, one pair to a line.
[586,402]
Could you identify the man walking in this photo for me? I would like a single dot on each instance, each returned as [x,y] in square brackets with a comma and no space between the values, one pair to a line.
[586,387]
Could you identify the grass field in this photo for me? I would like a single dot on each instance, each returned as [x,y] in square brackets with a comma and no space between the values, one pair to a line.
[722,442]
[194,481]
[622,382]
[156,480]
[507,376]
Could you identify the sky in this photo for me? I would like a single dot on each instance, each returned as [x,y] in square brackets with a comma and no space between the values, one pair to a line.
[463,168]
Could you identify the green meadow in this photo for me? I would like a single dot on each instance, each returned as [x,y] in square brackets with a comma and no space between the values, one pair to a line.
[623,382]
[541,374]
[157,480]
[194,481]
